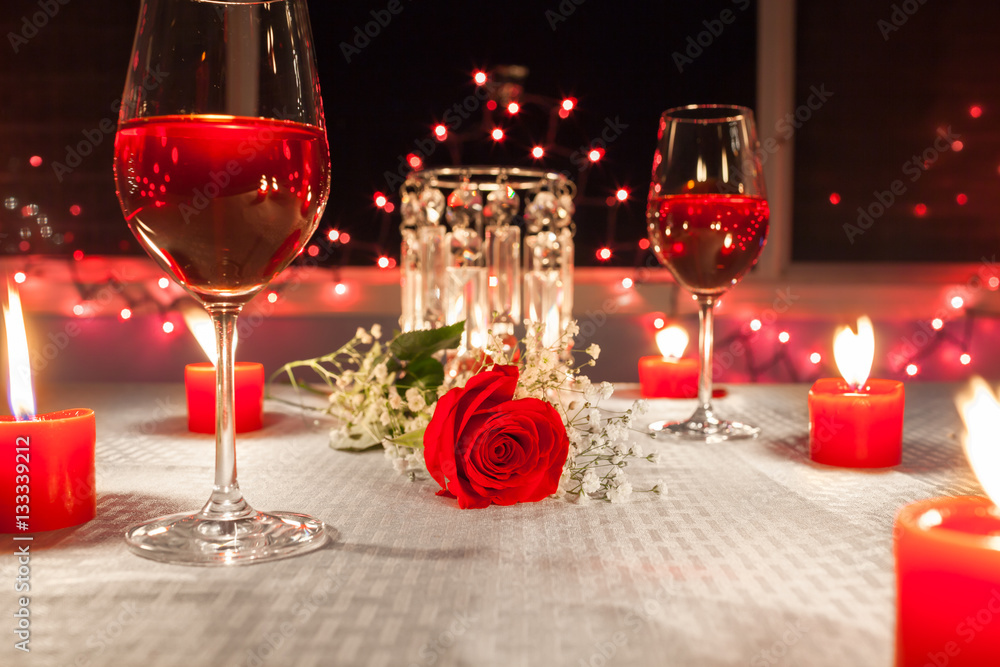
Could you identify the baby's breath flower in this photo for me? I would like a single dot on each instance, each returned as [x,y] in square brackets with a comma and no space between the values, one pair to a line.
[594,351]
[376,331]
[620,492]
[395,401]
[415,399]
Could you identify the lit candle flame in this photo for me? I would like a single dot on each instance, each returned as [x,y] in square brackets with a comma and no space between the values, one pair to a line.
[672,342]
[201,327]
[19,394]
[855,353]
[981,413]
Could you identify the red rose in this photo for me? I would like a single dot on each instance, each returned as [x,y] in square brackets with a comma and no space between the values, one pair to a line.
[484,447]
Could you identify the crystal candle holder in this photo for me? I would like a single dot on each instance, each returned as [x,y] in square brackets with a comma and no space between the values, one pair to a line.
[461,258]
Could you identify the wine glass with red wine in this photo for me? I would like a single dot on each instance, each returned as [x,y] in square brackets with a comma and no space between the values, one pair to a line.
[707,218]
[222,169]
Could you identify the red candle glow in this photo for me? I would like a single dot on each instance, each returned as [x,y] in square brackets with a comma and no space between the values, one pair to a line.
[47,479]
[669,375]
[855,422]
[200,382]
[948,560]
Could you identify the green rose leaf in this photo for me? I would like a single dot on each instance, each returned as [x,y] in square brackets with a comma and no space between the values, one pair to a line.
[413,439]
[425,343]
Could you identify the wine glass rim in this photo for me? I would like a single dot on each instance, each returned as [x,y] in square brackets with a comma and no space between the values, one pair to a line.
[724,113]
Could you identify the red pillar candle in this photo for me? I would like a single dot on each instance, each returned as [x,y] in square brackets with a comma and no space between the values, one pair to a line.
[856,422]
[856,429]
[661,377]
[669,375]
[948,583]
[47,476]
[199,383]
[47,469]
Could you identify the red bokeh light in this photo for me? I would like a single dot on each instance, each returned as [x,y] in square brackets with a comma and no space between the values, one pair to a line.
[497,134]
[312,250]
[961,199]
[621,194]
[920,210]
[383,262]
[479,77]
[272,297]
[415,161]
[604,254]
[912,369]
[168,327]
[815,357]
[957,145]
[20,277]
[35,160]
[345,238]
[163,282]
[595,154]
[125,313]
[78,255]
[340,289]
[538,152]
[389,207]
[643,244]
[380,199]
[513,108]
[333,235]
[975,111]
[441,132]
[965,359]
[568,104]
[834,198]
[491,105]
[75,210]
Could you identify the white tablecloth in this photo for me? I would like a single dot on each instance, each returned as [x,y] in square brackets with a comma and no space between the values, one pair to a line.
[755,556]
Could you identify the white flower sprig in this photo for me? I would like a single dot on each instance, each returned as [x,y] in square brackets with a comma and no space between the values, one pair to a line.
[377,400]
[598,443]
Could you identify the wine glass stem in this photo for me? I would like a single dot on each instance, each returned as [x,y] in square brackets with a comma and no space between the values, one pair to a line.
[227,500]
[705,341]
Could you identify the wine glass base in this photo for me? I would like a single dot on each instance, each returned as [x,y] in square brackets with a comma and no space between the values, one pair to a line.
[707,430]
[192,539]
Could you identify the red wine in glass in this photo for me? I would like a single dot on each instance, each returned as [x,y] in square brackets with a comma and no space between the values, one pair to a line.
[707,219]
[222,169]
[708,241]
[223,203]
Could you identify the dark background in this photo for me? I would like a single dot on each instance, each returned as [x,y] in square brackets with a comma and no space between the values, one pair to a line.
[893,90]
[615,58]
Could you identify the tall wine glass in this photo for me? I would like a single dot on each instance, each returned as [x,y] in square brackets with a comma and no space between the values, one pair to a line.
[222,170]
[707,218]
